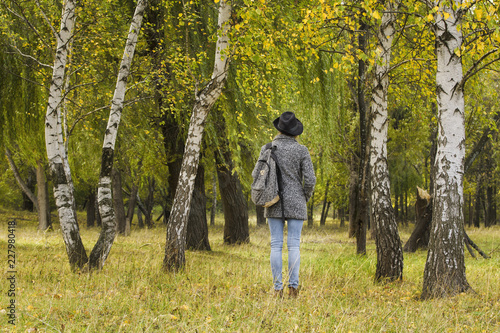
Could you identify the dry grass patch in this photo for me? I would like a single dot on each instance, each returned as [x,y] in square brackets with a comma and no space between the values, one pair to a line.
[229,289]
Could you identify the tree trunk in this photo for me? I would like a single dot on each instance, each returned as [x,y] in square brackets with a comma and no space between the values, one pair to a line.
[131,208]
[444,273]
[387,241]
[423,210]
[118,202]
[147,206]
[310,213]
[396,206]
[353,181]
[489,207]
[478,204]
[205,99]
[471,211]
[197,228]
[28,204]
[90,207]
[58,161]
[140,221]
[324,212]
[259,212]
[214,200]
[102,248]
[234,204]
[42,198]
[361,213]
[342,217]
[22,184]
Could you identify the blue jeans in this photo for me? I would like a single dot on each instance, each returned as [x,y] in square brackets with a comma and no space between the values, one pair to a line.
[293,244]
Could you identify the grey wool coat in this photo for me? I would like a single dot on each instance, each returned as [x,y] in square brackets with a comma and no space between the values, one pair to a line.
[298,178]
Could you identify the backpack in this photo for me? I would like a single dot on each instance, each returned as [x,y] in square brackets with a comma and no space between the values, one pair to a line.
[267,186]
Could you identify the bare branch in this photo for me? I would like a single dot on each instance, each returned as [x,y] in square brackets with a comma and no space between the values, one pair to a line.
[30,57]
[475,68]
[125,103]
[54,31]
[22,17]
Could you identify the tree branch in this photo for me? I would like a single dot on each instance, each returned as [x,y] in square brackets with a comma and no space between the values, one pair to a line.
[475,67]
[19,180]
[30,57]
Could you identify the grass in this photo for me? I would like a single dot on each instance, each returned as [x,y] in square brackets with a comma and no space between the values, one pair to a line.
[229,289]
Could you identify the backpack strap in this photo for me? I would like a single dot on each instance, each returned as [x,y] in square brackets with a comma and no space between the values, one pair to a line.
[280,178]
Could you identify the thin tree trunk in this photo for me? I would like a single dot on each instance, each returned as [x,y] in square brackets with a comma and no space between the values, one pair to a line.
[310,213]
[342,217]
[42,198]
[396,205]
[118,202]
[101,249]
[22,184]
[131,208]
[478,204]
[444,273]
[140,221]
[205,99]
[147,206]
[322,221]
[471,211]
[61,176]
[387,241]
[90,207]
[361,211]
[214,200]
[353,181]
[259,212]
[197,233]
[28,203]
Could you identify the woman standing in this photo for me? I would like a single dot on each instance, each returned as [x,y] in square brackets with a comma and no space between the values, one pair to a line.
[298,185]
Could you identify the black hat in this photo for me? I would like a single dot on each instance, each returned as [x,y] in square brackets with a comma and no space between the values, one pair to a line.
[288,124]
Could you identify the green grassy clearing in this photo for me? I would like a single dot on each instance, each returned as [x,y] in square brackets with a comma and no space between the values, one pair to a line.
[229,289]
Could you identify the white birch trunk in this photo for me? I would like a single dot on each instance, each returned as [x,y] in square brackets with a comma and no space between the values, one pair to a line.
[389,250]
[445,268]
[104,193]
[177,225]
[58,162]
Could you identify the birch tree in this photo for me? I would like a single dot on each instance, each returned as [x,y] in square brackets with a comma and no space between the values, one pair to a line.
[389,250]
[56,153]
[204,100]
[445,267]
[104,193]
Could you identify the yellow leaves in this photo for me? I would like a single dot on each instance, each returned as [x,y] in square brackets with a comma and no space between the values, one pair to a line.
[446,15]
[376,15]
[429,18]
[479,14]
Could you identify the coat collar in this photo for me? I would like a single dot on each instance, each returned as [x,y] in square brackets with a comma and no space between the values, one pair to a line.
[284,137]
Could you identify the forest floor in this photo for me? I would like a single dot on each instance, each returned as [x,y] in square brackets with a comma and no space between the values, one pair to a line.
[229,289]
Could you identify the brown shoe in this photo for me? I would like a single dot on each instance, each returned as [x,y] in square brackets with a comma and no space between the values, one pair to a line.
[278,293]
[293,292]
